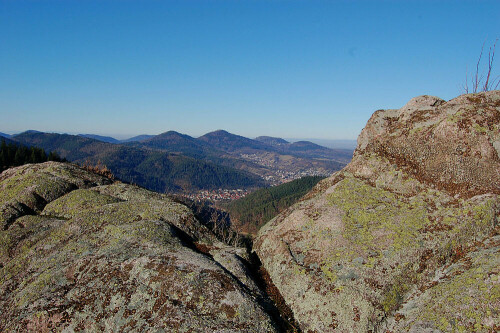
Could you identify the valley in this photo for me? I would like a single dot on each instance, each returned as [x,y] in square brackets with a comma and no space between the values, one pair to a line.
[176,163]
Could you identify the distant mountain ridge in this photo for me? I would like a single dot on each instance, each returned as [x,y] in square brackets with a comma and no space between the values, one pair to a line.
[107,139]
[7,140]
[226,141]
[223,141]
[138,138]
[266,157]
[177,142]
[155,170]
[272,140]
[224,159]
[329,143]
[306,149]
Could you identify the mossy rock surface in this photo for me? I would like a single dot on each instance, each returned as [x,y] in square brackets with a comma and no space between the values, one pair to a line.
[419,197]
[463,297]
[77,201]
[28,188]
[102,257]
[161,206]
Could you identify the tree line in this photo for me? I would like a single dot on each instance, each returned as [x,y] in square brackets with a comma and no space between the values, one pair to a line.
[12,155]
[254,210]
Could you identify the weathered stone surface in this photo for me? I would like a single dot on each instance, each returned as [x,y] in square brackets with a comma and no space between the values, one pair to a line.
[367,248]
[95,256]
[233,259]
[463,296]
[452,146]
[176,214]
[27,189]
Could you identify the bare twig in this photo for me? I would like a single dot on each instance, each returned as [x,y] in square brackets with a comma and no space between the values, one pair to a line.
[476,80]
[491,57]
[480,81]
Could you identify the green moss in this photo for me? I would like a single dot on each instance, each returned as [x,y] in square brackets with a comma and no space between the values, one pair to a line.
[394,297]
[479,129]
[125,212]
[6,243]
[454,118]
[328,272]
[33,289]
[390,232]
[484,213]
[73,203]
[373,216]
[415,130]
[469,300]
[23,244]
[20,188]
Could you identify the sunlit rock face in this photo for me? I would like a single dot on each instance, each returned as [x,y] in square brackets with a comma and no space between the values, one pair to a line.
[406,237]
[79,252]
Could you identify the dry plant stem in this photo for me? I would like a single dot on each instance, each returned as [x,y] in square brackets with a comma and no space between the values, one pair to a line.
[491,58]
[476,79]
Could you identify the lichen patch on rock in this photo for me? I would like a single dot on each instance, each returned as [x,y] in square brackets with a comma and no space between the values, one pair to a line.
[402,239]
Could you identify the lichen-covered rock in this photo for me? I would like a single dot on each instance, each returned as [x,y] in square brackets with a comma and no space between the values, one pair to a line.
[27,189]
[176,214]
[452,145]
[420,195]
[464,296]
[73,203]
[94,256]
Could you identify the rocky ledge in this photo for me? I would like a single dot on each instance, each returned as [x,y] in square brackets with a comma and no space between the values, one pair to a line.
[406,237]
[79,252]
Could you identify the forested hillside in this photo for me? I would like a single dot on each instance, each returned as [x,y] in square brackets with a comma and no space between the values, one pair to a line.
[152,169]
[175,162]
[254,210]
[12,154]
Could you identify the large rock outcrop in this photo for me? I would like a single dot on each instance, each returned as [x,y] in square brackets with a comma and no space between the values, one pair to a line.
[79,252]
[406,237]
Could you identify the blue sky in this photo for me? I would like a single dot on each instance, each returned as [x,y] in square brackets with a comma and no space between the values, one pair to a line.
[302,69]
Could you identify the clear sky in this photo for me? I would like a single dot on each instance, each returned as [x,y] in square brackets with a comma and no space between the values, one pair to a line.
[312,69]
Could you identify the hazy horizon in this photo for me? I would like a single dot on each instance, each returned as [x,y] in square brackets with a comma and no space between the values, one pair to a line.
[330,143]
